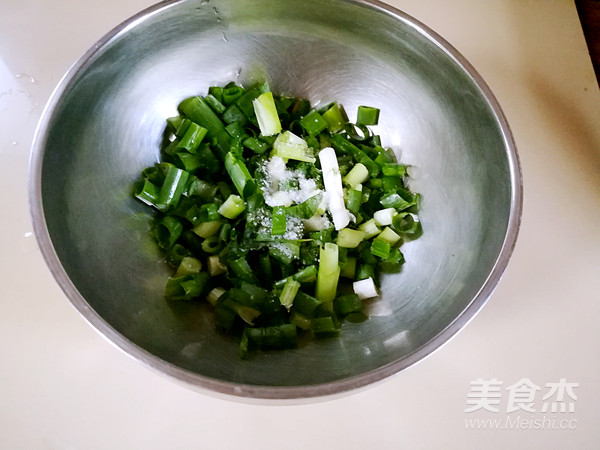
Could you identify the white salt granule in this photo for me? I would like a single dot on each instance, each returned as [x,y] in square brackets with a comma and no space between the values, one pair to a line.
[276,173]
[294,228]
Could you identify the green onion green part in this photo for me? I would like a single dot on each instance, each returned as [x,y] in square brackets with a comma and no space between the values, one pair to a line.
[367,115]
[279,243]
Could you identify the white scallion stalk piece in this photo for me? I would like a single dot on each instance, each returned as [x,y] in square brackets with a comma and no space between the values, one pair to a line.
[357,175]
[384,217]
[266,114]
[365,288]
[289,146]
[333,188]
[207,229]
[389,236]
[188,265]
[232,207]
[370,228]
[317,223]
[247,313]
[300,321]
[214,294]
[348,238]
[215,266]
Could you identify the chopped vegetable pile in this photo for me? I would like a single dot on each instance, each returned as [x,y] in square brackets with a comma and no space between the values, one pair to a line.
[280,215]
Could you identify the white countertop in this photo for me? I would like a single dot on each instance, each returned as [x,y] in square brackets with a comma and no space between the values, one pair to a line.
[64,387]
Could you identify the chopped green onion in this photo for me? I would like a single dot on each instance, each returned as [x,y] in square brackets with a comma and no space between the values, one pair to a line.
[199,112]
[367,115]
[173,123]
[357,175]
[148,193]
[224,316]
[348,267]
[347,304]
[365,289]
[329,272]
[370,228]
[189,162]
[246,313]
[266,114]
[393,200]
[213,296]
[204,190]
[233,114]
[309,207]
[348,238]
[231,93]
[289,146]
[243,270]
[384,217]
[307,274]
[192,138]
[344,146]
[279,336]
[233,207]
[184,124]
[188,266]
[176,253]
[172,188]
[324,327]
[215,267]
[380,248]
[212,244]
[334,117]
[245,102]
[244,345]
[299,320]
[216,92]
[357,132]
[215,104]
[266,268]
[236,130]
[207,229]
[389,236]
[209,212]
[289,292]
[333,187]
[272,235]
[365,271]
[313,123]
[394,170]
[237,170]
[225,232]
[186,287]
[395,257]
[353,200]
[256,145]
[279,221]
[406,224]
[285,252]
[167,231]
[306,304]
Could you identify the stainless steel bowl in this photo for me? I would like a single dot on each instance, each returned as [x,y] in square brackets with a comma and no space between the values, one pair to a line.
[103,125]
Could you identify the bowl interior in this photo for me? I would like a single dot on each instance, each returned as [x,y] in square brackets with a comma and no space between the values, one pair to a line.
[104,125]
